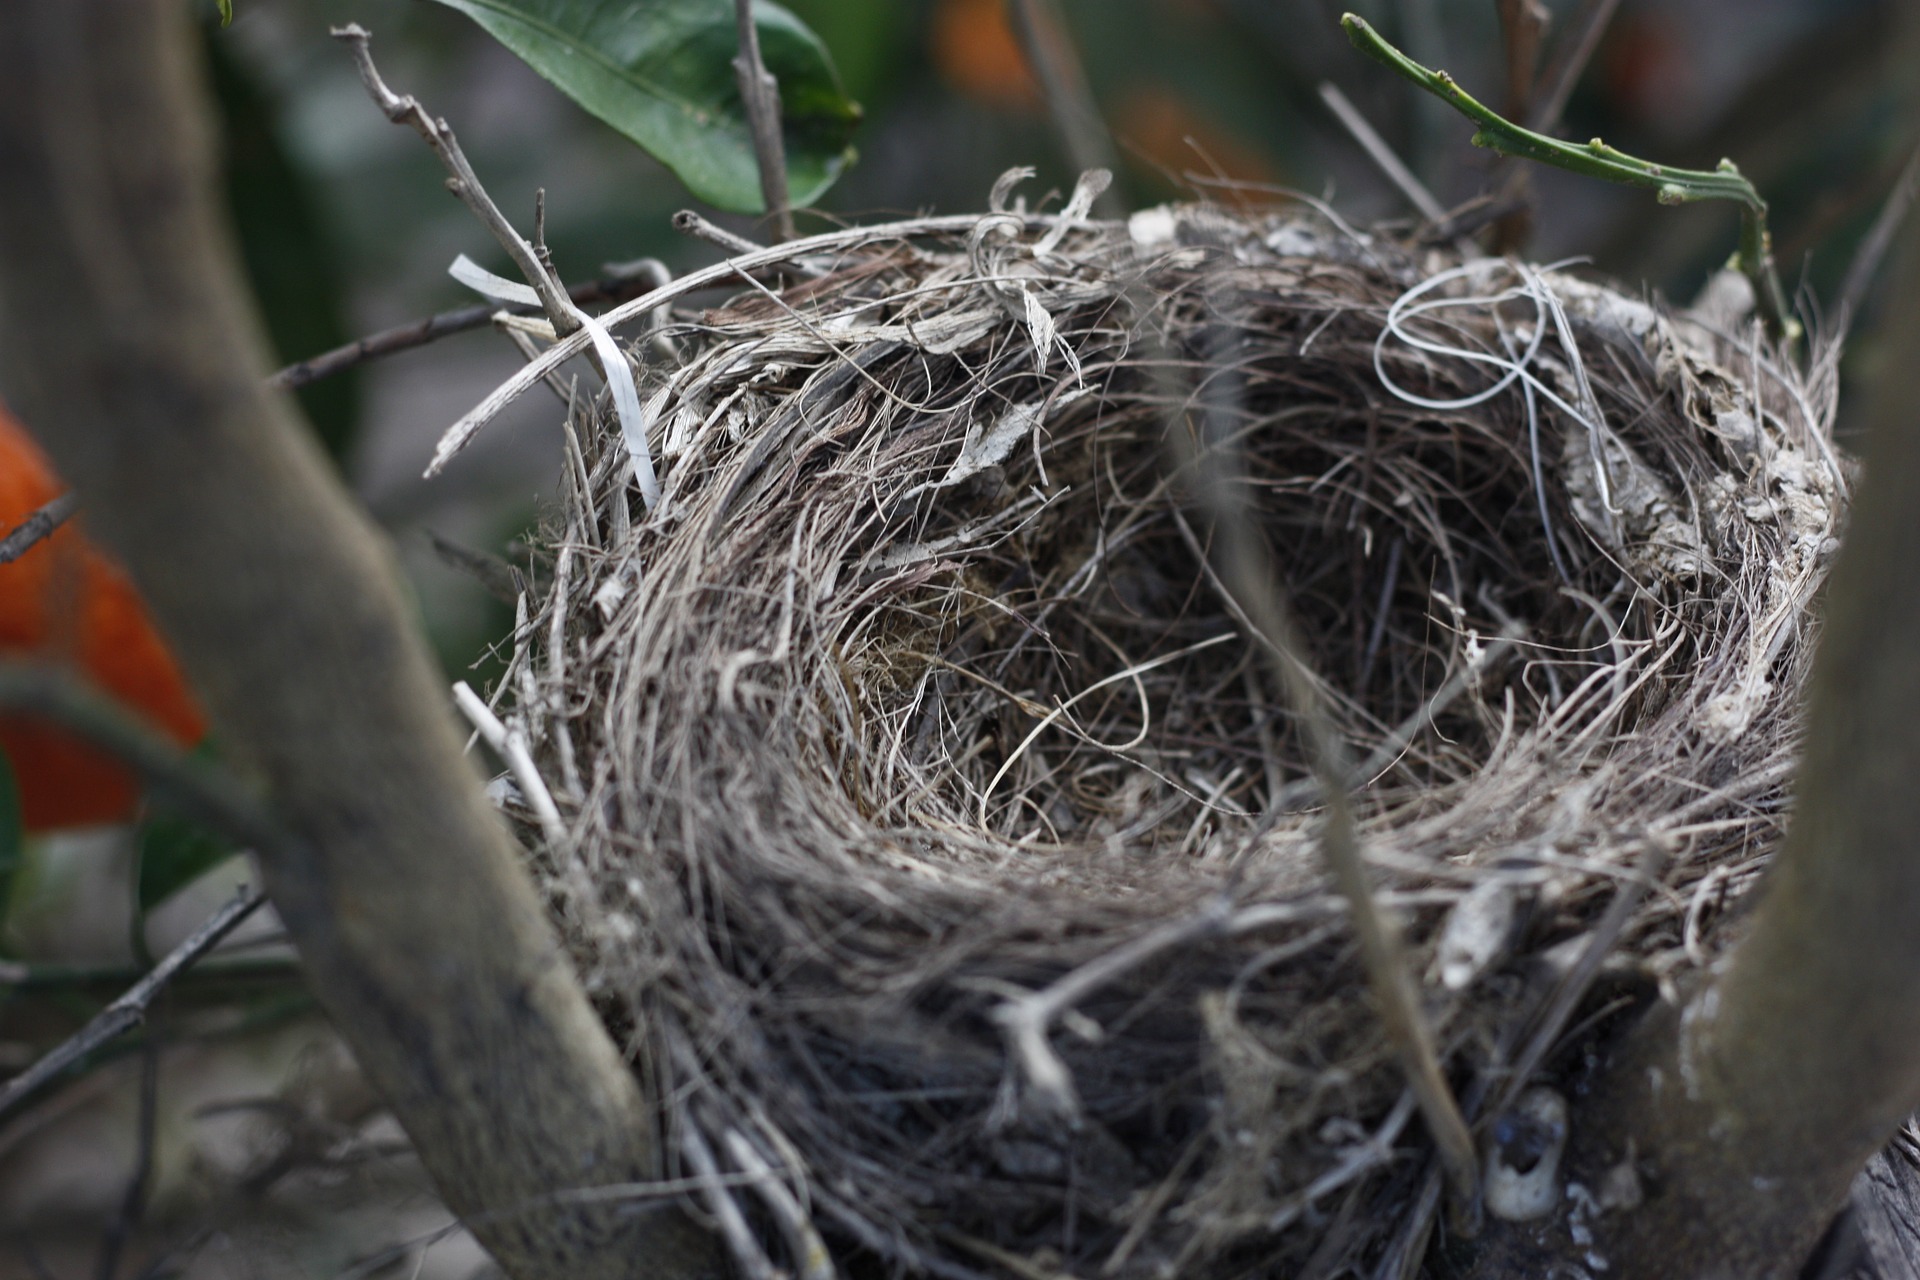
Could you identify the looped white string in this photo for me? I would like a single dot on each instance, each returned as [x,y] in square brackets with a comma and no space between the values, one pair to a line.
[1514,366]
[626,397]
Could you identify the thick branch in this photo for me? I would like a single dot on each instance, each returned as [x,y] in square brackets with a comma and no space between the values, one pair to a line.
[129,338]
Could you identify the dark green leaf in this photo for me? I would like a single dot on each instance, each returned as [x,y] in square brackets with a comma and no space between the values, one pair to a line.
[661,72]
[174,852]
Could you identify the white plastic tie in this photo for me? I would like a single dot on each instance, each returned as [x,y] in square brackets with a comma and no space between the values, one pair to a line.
[626,397]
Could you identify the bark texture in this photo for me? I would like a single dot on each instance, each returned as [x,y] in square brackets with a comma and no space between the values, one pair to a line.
[132,349]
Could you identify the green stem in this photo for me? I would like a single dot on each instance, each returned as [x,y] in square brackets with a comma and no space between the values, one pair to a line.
[1598,160]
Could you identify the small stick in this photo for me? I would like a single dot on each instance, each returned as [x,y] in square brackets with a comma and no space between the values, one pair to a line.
[725,1209]
[463,182]
[1598,160]
[127,1012]
[687,222]
[1523,23]
[1865,267]
[1576,50]
[619,285]
[1381,154]
[512,746]
[760,92]
[38,526]
[1246,568]
[1024,1018]
[1043,36]
[133,1205]
[809,1251]
[200,791]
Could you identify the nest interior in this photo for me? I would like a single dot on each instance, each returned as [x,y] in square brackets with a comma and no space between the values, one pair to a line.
[936,834]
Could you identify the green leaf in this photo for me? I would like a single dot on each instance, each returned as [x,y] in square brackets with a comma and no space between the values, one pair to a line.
[13,833]
[226,12]
[174,852]
[661,72]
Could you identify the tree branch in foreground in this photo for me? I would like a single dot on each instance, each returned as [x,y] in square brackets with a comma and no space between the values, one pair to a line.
[130,338]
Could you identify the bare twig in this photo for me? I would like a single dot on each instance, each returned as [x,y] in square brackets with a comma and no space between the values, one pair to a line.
[687,222]
[1865,267]
[38,526]
[127,1012]
[808,1250]
[199,790]
[1049,49]
[1523,24]
[1025,1017]
[1381,154]
[1571,55]
[760,93]
[511,743]
[462,181]
[618,285]
[133,1205]
[1246,568]
[732,1223]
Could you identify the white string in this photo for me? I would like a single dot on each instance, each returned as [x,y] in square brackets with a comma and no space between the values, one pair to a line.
[626,397]
[1514,367]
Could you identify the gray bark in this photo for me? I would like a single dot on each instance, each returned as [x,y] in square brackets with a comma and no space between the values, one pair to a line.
[133,351]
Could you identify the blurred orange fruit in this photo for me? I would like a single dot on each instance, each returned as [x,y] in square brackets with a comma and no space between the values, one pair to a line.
[977,53]
[64,601]
[1176,137]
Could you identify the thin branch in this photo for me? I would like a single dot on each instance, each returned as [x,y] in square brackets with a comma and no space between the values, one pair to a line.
[463,182]
[1570,60]
[618,285]
[1246,567]
[133,1205]
[1865,267]
[200,791]
[1598,160]
[1523,23]
[1025,1017]
[1044,39]
[1381,154]
[511,744]
[38,526]
[126,1013]
[760,93]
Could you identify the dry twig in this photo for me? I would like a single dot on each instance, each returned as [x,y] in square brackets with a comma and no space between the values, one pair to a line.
[760,94]
[39,525]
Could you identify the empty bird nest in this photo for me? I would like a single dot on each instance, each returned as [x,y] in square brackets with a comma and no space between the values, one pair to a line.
[920,803]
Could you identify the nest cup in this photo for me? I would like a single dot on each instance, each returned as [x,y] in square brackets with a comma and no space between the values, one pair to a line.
[932,827]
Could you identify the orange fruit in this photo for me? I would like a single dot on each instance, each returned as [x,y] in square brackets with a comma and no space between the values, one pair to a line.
[976,52]
[66,602]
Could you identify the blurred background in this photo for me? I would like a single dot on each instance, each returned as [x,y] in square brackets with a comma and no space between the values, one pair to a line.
[266,1156]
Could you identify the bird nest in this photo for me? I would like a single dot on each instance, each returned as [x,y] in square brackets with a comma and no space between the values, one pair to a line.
[926,818]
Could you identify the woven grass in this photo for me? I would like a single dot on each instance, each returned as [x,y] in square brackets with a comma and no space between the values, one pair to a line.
[915,715]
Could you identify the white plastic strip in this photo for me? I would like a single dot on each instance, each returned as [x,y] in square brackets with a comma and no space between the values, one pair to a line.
[626,397]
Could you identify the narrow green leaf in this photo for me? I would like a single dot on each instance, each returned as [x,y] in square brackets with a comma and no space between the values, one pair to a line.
[226,12]
[661,72]
[174,852]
